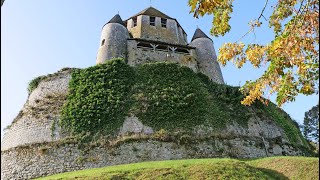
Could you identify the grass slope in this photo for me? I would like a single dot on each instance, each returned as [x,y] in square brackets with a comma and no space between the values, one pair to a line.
[266,168]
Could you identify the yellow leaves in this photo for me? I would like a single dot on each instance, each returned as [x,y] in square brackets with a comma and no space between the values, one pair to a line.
[255,54]
[307,89]
[231,52]
[292,56]
[221,10]
[235,52]
[254,90]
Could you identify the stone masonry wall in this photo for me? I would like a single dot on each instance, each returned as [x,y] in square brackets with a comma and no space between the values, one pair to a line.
[170,34]
[138,56]
[36,122]
[45,159]
[115,38]
[207,58]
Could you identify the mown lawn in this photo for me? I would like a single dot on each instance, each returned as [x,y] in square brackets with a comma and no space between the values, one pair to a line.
[299,168]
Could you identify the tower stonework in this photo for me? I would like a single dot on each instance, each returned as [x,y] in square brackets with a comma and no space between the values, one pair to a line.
[152,36]
[113,41]
[206,56]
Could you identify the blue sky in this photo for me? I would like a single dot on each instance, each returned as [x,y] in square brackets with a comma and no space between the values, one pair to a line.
[40,37]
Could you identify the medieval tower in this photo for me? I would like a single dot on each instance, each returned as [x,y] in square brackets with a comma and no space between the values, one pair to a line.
[152,36]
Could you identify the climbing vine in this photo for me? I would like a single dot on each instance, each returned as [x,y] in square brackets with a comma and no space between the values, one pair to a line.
[97,98]
[162,95]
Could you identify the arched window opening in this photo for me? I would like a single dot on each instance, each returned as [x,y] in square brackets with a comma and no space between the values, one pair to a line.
[102,43]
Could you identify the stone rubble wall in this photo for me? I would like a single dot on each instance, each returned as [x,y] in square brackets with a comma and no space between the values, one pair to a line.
[35,122]
[44,159]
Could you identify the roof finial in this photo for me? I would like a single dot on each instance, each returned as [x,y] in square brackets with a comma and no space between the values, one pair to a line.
[150,3]
[118,12]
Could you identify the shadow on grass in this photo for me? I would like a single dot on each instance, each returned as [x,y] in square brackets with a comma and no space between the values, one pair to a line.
[274,174]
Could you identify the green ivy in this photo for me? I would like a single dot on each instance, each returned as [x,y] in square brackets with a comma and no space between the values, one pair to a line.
[97,99]
[162,95]
[168,96]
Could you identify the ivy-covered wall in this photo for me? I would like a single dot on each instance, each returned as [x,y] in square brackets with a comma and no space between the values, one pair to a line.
[163,96]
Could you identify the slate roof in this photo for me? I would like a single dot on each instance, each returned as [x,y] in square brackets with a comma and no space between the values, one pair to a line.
[116,19]
[150,11]
[199,34]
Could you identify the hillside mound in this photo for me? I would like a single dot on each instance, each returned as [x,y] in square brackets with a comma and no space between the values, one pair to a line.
[266,168]
[114,113]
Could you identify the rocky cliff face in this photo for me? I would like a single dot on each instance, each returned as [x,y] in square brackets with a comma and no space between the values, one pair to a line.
[35,146]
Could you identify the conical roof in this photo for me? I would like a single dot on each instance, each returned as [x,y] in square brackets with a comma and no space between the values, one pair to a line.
[199,34]
[150,11]
[116,19]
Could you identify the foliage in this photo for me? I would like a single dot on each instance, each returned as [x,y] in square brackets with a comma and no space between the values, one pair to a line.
[265,168]
[97,99]
[169,96]
[164,96]
[311,124]
[227,103]
[315,148]
[292,56]
[34,83]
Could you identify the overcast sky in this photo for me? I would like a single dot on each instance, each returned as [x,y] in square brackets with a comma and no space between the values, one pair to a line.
[40,37]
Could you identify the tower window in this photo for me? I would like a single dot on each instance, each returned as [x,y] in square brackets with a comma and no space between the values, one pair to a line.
[102,43]
[134,21]
[152,21]
[163,22]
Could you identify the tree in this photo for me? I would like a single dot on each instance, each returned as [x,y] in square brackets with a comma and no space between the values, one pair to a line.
[292,56]
[311,124]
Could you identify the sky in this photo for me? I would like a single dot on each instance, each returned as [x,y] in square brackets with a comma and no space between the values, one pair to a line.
[40,37]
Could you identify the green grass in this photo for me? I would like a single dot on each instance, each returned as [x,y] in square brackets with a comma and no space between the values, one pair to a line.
[266,168]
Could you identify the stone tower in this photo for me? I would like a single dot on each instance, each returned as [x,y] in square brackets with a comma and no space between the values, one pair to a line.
[152,36]
[151,24]
[206,56]
[113,42]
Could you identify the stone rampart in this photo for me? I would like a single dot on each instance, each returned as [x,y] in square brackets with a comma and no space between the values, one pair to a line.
[36,122]
[45,159]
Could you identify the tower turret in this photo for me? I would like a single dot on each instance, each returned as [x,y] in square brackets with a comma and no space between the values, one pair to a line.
[206,56]
[113,42]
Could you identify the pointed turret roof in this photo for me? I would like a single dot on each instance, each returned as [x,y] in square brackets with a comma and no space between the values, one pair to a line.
[199,34]
[151,11]
[116,19]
